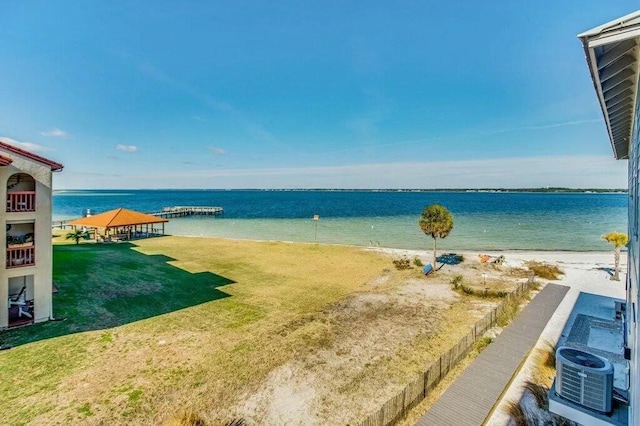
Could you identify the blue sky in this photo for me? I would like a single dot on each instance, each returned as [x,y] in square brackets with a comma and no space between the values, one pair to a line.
[300,94]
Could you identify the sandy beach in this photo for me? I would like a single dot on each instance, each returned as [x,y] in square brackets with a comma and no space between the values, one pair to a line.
[584,272]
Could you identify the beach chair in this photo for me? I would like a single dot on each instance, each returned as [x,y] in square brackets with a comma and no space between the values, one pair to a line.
[428,269]
[20,301]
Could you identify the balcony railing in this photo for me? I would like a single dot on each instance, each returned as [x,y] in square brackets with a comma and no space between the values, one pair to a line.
[21,201]
[21,256]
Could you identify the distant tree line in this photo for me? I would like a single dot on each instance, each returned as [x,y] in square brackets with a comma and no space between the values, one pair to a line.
[545,189]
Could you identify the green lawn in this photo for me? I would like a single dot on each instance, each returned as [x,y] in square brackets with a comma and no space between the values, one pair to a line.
[104,286]
[173,325]
[170,323]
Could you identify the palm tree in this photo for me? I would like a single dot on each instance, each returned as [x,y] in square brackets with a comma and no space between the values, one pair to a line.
[77,235]
[618,239]
[437,222]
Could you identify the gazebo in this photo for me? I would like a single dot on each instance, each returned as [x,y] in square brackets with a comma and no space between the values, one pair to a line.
[122,224]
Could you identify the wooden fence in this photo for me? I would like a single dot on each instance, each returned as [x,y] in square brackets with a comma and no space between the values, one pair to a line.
[398,406]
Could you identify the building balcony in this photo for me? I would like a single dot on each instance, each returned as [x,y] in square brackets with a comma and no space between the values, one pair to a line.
[21,256]
[21,201]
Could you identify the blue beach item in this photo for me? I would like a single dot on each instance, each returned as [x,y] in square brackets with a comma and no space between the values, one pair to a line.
[428,268]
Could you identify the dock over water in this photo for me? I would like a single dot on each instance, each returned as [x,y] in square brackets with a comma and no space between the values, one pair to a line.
[166,212]
[181,211]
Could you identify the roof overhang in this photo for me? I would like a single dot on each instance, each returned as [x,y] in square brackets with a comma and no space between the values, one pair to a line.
[55,167]
[5,161]
[612,51]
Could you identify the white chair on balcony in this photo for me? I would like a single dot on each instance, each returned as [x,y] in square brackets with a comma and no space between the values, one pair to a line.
[20,301]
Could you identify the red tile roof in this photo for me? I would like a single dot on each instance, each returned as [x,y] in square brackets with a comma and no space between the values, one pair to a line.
[117,217]
[30,155]
[5,161]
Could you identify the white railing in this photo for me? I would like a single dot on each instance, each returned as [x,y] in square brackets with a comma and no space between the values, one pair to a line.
[21,201]
[21,256]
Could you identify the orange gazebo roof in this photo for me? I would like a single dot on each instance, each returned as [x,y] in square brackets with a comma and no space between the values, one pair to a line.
[117,217]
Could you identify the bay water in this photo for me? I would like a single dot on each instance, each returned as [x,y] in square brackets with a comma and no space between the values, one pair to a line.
[482,220]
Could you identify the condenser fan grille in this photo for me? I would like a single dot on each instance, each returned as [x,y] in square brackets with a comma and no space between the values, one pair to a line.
[582,358]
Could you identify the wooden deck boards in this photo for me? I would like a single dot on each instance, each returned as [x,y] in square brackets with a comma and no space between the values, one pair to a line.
[472,396]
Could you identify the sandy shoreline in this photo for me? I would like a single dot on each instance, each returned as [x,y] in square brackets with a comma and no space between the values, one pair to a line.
[516,258]
[427,252]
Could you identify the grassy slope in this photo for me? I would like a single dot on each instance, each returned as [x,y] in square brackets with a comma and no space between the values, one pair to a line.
[149,336]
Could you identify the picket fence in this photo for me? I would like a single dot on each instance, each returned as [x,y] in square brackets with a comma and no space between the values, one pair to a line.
[398,406]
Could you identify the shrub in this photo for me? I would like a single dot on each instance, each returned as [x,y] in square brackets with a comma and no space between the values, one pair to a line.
[457,281]
[539,392]
[548,354]
[418,262]
[482,343]
[401,264]
[544,360]
[509,311]
[468,290]
[515,411]
[544,270]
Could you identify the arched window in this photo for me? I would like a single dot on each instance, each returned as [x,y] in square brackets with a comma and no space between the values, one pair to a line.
[21,193]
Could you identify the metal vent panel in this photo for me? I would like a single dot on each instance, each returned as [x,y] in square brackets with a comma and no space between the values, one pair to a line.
[584,379]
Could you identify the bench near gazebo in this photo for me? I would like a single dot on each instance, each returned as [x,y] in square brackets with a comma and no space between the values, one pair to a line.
[122,224]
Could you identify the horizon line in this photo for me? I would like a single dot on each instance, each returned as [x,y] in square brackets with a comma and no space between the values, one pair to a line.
[515,189]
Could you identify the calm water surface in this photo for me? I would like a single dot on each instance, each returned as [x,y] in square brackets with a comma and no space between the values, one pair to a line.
[389,219]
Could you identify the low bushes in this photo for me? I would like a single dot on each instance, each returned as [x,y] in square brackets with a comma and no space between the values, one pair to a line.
[402,264]
[405,263]
[457,281]
[509,311]
[545,270]
[458,284]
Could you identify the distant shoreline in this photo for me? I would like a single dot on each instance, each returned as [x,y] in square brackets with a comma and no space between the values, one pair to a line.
[550,190]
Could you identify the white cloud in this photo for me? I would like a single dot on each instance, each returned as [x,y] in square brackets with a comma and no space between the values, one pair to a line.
[55,132]
[518,172]
[127,148]
[545,126]
[28,146]
[217,151]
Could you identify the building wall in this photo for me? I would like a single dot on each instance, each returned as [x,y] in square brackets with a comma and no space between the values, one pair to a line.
[41,218]
[633,273]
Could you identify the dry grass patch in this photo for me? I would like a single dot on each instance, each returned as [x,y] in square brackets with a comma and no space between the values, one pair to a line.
[544,364]
[205,327]
[516,413]
[545,270]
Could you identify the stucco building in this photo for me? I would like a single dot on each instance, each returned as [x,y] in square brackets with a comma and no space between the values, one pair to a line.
[26,274]
[612,52]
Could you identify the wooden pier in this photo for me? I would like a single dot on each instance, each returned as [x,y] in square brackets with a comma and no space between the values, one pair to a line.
[182,211]
[166,212]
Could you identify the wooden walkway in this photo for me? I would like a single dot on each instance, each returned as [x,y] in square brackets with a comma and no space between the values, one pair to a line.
[472,396]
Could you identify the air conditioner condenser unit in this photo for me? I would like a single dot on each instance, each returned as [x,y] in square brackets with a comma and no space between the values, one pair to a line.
[584,378]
